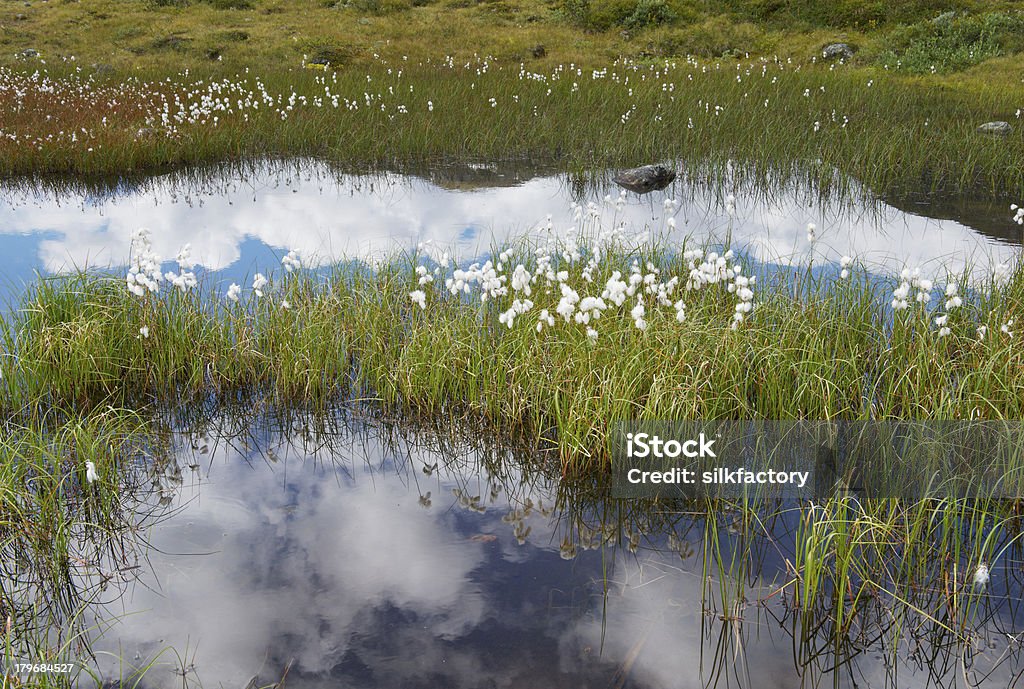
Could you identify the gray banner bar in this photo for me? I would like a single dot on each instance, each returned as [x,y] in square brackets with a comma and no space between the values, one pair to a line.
[817,459]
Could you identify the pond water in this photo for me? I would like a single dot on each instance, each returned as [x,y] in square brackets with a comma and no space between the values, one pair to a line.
[369,559]
[366,560]
[242,219]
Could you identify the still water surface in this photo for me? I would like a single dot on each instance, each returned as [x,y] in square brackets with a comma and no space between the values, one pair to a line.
[374,560]
[243,219]
[364,563]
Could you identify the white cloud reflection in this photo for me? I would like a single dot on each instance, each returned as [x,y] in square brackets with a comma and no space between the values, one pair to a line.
[329,217]
[344,571]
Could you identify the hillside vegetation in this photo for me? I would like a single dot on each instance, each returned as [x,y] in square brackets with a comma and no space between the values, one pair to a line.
[921,35]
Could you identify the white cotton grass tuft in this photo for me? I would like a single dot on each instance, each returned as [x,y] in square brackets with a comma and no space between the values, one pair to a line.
[90,472]
[291,261]
[953,300]
[981,576]
[144,332]
[258,283]
[234,291]
[144,274]
[844,267]
[186,278]
[419,297]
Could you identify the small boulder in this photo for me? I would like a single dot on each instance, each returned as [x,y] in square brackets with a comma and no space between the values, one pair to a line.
[1000,128]
[27,53]
[538,51]
[836,51]
[644,179]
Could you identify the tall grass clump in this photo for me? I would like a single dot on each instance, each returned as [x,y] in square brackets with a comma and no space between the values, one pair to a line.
[66,523]
[557,336]
[714,117]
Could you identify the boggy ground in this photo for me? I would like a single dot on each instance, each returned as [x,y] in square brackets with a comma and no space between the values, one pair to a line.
[111,88]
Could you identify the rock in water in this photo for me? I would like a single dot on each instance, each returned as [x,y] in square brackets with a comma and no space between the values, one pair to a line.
[645,179]
[1001,128]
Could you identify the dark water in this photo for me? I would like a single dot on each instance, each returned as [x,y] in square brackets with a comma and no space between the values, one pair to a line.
[366,559]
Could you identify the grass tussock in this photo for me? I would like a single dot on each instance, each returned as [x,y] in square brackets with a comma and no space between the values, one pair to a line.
[554,340]
[62,527]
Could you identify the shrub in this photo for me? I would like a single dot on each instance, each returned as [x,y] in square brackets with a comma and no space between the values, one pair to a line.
[634,15]
[378,7]
[322,53]
[230,4]
[949,43]
[649,13]
[840,13]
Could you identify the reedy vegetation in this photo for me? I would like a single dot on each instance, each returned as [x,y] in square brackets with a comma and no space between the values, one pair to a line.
[768,119]
[556,336]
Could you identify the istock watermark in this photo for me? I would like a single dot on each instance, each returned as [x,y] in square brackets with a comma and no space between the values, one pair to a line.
[640,445]
[814,460]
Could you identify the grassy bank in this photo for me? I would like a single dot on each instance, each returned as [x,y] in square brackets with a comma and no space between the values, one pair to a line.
[553,337]
[763,118]
[170,34]
[588,84]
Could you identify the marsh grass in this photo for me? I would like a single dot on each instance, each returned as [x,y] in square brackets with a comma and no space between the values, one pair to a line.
[766,120]
[64,538]
[815,347]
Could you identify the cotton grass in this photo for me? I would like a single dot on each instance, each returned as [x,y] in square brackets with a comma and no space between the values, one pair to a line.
[552,335]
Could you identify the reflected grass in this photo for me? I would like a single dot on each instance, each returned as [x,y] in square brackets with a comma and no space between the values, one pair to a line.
[840,577]
[66,541]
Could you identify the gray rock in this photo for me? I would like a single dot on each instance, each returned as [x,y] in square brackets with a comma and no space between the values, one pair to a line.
[999,127]
[835,51]
[645,179]
[101,68]
[28,53]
